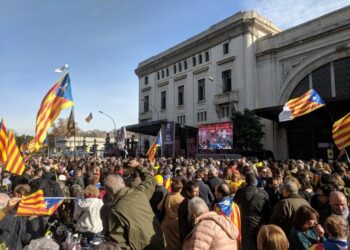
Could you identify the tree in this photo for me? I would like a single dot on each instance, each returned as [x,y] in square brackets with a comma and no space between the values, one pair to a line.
[248,131]
[23,139]
[59,128]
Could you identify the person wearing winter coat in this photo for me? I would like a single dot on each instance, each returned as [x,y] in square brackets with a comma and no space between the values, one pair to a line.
[283,214]
[129,218]
[211,231]
[254,205]
[170,224]
[87,213]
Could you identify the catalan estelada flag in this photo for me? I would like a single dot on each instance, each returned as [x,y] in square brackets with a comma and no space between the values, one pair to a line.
[153,149]
[33,204]
[341,132]
[302,105]
[14,163]
[52,205]
[3,142]
[59,97]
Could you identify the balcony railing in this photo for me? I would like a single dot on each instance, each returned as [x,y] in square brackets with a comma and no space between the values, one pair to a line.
[226,97]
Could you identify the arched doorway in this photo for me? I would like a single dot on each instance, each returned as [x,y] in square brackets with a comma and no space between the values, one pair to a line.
[310,136]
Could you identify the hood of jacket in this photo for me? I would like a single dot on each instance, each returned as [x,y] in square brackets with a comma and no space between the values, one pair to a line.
[86,203]
[227,226]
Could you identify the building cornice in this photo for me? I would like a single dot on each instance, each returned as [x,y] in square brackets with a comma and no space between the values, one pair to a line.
[310,31]
[234,26]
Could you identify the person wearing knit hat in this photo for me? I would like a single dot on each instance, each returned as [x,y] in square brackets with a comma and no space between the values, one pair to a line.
[159,180]
[159,194]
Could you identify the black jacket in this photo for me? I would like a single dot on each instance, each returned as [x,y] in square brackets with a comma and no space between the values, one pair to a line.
[158,195]
[213,182]
[13,231]
[185,226]
[254,207]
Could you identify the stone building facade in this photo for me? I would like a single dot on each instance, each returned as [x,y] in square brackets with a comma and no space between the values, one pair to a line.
[245,61]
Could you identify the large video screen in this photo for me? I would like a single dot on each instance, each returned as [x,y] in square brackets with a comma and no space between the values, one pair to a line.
[215,137]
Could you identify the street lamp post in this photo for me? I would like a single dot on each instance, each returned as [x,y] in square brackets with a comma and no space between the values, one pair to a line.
[115,130]
[155,109]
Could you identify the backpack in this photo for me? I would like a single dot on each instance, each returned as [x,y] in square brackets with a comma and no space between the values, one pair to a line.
[51,188]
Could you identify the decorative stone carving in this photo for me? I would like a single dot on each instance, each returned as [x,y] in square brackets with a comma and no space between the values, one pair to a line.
[290,64]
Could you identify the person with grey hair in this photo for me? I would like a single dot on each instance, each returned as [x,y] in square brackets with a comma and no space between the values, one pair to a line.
[130,220]
[211,231]
[213,179]
[42,244]
[284,211]
[338,206]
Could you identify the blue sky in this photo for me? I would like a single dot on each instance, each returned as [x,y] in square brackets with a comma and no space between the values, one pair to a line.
[103,41]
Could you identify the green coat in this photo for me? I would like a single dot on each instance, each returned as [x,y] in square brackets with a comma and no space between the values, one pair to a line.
[131,221]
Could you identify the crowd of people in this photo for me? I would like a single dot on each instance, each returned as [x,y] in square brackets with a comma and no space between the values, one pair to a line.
[178,203]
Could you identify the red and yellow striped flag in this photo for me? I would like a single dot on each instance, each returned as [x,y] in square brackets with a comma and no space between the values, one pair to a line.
[33,204]
[59,97]
[341,132]
[153,149]
[14,163]
[3,142]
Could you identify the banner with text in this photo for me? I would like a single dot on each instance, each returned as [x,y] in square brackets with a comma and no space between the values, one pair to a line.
[168,139]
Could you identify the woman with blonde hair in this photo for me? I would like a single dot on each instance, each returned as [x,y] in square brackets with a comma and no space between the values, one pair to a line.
[272,237]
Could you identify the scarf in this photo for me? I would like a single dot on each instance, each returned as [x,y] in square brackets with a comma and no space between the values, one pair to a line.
[225,206]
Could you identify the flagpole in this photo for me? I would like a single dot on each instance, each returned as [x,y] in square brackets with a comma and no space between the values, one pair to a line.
[73,131]
[63,198]
[48,146]
[332,119]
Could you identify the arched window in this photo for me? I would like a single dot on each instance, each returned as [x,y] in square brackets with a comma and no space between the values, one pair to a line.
[329,80]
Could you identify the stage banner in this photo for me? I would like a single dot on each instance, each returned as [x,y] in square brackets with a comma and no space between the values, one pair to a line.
[168,139]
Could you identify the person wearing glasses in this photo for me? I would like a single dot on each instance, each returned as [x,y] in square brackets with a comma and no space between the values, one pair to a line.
[263,175]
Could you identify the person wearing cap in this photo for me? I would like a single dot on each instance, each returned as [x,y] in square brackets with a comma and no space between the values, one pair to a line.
[283,214]
[62,182]
[158,195]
